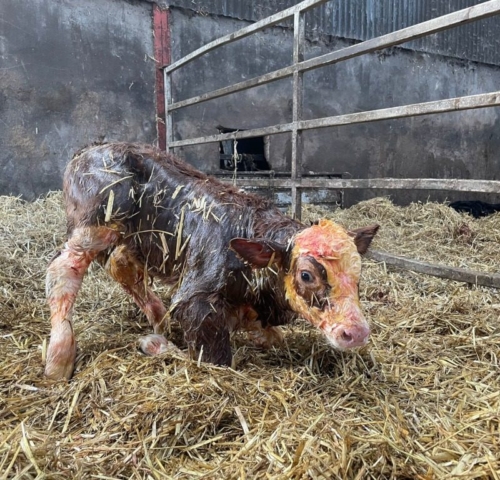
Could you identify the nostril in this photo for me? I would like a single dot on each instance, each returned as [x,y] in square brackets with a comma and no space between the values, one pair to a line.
[346,337]
[350,336]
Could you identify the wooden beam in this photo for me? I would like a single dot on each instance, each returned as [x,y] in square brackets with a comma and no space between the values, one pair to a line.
[442,271]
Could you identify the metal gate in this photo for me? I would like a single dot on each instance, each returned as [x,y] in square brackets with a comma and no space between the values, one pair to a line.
[295,181]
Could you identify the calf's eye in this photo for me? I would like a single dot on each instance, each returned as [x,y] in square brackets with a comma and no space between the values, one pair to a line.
[306,276]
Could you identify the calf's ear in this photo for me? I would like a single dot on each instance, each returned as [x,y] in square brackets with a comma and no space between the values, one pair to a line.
[258,252]
[363,237]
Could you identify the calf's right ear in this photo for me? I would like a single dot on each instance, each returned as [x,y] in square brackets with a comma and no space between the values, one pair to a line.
[258,252]
[363,237]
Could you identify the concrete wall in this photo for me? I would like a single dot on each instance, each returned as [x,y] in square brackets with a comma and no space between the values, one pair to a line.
[455,145]
[71,73]
[74,72]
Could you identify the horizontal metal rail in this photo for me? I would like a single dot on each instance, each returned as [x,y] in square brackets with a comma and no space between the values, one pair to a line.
[439,106]
[245,32]
[398,37]
[459,185]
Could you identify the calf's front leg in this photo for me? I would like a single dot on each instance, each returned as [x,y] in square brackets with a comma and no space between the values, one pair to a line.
[203,319]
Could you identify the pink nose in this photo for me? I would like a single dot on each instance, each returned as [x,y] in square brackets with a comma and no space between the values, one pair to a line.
[351,336]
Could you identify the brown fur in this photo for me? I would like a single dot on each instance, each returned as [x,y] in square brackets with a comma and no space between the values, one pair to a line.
[170,221]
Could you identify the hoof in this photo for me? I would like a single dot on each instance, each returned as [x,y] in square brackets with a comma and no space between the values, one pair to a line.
[266,338]
[55,370]
[60,362]
[156,344]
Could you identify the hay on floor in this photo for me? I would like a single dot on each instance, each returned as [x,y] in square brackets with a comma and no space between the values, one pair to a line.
[421,401]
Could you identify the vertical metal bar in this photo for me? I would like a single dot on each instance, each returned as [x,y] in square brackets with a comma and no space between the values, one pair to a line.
[167,81]
[298,56]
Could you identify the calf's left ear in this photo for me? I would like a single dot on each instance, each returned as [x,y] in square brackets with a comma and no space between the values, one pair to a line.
[258,252]
[363,237]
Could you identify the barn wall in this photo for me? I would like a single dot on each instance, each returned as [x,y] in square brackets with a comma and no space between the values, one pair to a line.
[455,145]
[71,73]
[364,19]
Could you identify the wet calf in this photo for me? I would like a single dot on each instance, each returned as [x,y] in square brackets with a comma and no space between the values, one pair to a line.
[236,262]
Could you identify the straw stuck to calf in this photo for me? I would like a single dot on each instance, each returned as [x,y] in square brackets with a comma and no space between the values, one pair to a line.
[236,261]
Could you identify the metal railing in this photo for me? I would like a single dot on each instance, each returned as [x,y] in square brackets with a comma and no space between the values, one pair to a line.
[297,126]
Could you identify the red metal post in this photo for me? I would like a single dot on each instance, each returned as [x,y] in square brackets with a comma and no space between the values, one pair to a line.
[161,45]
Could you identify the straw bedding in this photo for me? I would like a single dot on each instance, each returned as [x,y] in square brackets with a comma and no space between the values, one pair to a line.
[421,401]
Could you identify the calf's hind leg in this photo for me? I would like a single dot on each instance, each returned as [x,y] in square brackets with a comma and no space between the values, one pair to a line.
[64,279]
[124,268]
[263,337]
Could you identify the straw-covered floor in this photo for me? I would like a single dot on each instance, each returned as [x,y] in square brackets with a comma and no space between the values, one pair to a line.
[420,401]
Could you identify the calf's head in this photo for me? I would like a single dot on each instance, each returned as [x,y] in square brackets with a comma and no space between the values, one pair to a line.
[322,267]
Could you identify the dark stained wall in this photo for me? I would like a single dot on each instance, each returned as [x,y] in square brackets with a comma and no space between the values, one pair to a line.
[71,73]
[74,72]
